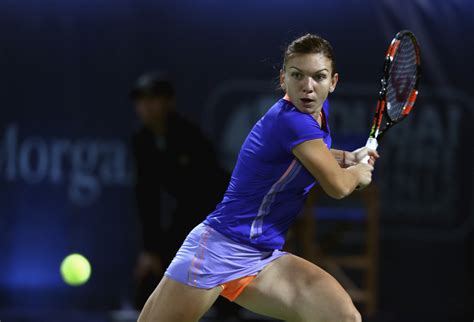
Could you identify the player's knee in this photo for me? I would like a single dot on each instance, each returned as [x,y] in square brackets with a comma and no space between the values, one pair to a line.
[351,316]
[343,313]
[339,316]
[154,312]
[170,317]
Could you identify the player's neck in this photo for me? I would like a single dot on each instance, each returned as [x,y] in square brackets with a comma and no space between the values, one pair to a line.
[319,117]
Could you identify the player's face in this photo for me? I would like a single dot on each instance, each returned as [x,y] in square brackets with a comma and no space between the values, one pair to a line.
[307,80]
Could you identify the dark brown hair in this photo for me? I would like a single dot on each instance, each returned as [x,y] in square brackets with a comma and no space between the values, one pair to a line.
[310,44]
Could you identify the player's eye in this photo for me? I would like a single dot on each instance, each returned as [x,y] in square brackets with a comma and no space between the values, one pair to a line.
[297,75]
[319,77]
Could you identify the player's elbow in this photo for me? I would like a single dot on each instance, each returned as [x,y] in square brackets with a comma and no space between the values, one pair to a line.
[341,188]
[340,194]
[338,191]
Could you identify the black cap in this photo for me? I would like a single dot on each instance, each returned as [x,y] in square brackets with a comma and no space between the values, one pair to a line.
[153,84]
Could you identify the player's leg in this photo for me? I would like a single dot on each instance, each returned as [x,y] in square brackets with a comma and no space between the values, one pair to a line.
[293,289]
[172,301]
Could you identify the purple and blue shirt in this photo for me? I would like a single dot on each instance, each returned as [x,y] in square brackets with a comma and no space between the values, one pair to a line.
[269,185]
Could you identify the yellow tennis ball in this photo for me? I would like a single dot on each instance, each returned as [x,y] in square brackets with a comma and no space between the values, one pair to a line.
[75,269]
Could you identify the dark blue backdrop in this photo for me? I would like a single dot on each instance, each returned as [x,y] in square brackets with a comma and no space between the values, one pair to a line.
[65,172]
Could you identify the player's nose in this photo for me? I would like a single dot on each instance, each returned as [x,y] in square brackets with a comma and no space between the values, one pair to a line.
[307,85]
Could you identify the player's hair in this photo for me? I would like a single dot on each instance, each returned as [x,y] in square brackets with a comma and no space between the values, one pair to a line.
[310,44]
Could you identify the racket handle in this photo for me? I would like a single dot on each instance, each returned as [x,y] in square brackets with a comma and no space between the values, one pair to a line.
[371,144]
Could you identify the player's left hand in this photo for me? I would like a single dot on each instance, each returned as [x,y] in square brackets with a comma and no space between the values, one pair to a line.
[359,154]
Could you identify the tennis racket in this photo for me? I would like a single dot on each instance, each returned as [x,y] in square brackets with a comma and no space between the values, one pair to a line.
[398,86]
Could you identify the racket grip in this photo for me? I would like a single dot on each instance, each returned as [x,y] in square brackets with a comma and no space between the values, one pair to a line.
[371,144]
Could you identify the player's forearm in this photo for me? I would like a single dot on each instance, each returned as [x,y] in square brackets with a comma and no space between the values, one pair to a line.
[344,158]
[340,157]
[344,184]
[336,181]
[354,177]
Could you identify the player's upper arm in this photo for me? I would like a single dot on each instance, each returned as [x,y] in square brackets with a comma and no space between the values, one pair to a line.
[318,160]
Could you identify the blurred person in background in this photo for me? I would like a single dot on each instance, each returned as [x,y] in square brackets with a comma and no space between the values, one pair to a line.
[172,159]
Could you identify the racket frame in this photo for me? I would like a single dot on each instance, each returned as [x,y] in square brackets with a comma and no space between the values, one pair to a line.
[376,133]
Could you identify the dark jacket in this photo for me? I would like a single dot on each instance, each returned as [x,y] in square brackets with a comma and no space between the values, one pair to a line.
[183,165]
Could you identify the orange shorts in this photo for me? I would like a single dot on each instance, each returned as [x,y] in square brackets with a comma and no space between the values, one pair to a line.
[232,289]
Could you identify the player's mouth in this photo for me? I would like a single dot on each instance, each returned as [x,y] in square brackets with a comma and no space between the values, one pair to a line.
[306,101]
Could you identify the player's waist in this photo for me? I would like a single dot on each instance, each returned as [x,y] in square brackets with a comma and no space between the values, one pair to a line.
[268,240]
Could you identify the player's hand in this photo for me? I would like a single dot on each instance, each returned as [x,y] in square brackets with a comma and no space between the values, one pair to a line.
[359,155]
[364,172]
[148,263]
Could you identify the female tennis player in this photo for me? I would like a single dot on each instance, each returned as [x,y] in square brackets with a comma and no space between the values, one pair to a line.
[236,251]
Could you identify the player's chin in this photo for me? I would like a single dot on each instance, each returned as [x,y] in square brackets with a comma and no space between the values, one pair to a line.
[307,108]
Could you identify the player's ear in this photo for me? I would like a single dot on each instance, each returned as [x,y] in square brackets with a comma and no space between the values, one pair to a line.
[334,80]
[282,80]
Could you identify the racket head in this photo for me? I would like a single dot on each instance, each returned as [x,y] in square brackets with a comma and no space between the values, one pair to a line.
[402,75]
[399,83]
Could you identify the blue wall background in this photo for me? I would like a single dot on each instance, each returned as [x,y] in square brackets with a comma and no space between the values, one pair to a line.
[65,168]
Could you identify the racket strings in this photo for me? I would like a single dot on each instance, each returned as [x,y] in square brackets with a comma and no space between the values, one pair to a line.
[402,78]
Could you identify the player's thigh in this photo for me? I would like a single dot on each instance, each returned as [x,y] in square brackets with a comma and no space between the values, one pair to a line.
[172,301]
[293,289]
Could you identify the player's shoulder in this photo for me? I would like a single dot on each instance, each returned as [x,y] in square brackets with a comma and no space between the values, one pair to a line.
[326,107]
[287,113]
[281,109]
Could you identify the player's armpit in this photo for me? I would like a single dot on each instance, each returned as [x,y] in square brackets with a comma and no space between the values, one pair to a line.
[319,161]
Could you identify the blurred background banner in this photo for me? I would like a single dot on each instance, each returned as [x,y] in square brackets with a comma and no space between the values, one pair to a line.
[65,166]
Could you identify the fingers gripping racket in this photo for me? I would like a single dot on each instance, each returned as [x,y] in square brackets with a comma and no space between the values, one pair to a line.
[398,86]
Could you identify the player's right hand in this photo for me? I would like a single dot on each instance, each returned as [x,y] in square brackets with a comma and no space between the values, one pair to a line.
[364,172]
